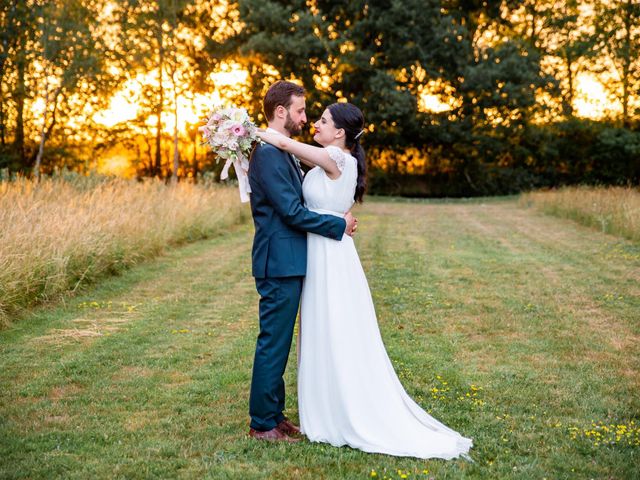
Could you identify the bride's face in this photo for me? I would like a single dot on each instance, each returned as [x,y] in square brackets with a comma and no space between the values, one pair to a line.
[326,131]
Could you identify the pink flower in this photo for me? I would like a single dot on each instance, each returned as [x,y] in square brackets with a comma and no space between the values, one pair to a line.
[238,130]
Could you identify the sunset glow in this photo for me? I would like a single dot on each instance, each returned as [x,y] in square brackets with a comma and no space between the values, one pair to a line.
[437,96]
[591,99]
[123,107]
[118,165]
[433,103]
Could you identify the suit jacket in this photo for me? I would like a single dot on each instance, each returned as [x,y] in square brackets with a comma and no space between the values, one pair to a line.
[279,216]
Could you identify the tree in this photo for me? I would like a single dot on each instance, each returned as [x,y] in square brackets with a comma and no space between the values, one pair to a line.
[380,54]
[617,30]
[557,31]
[171,46]
[69,58]
[17,32]
[52,67]
[571,43]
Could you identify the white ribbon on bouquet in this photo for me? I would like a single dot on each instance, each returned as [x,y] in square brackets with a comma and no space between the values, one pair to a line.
[241,166]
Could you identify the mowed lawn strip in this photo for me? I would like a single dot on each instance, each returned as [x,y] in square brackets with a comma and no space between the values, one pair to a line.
[516,329]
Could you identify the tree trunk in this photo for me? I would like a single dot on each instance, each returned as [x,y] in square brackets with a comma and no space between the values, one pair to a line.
[158,159]
[625,99]
[568,103]
[138,154]
[2,127]
[45,132]
[626,64]
[9,33]
[194,161]
[18,141]
[43,136]
[148,167]
[36,167]
[176,151]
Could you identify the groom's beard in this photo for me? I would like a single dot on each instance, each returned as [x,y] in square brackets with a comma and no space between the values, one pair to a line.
[292,127]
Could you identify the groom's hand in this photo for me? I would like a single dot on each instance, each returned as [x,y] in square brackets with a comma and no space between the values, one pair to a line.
[352,224]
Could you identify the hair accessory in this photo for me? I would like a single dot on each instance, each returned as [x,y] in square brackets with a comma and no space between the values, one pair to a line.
[359,134]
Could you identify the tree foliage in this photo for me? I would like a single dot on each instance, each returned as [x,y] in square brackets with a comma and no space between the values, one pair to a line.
[380,55]
[503,77]
[53,71]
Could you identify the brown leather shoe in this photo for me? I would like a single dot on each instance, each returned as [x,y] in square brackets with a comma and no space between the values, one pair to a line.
[288,428]
[273,435]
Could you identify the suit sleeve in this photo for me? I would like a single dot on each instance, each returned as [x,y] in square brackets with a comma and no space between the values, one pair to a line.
[272,173]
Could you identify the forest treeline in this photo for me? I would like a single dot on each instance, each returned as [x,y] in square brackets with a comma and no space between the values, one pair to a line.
[505,75]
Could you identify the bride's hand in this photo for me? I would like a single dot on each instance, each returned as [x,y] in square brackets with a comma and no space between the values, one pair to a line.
[276,139]
[352,224]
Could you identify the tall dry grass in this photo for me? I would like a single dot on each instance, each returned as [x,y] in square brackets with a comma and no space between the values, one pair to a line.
[58,235]
[614,210]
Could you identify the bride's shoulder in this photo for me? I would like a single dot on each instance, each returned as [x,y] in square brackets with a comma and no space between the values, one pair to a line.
[339,156]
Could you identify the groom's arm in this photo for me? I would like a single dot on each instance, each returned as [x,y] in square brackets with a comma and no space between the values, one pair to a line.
[271,171]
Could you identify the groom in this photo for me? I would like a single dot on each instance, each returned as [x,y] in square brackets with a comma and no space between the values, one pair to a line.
[279,258]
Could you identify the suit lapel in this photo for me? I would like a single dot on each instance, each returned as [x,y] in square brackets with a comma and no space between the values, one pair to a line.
[293,162]
[295,167]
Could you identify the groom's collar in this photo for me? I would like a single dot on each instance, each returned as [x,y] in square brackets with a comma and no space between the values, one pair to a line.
[291,157]
[273,130]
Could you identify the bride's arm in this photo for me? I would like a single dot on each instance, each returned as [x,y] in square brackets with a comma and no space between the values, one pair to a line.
[308,154]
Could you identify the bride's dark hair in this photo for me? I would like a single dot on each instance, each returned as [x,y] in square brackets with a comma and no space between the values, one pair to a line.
[349,117]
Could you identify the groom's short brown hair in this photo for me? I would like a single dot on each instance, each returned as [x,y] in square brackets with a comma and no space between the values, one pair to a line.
[280,93]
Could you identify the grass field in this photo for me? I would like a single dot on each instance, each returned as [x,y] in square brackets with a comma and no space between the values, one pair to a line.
[517,329]
[63,233]
[614,210]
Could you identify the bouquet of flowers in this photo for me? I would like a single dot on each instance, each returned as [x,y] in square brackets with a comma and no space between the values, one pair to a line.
[230,134]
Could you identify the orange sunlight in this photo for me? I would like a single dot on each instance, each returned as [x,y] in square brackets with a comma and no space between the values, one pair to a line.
[228,82]
[591,99]
[191,107]
[118,165]
[431,101]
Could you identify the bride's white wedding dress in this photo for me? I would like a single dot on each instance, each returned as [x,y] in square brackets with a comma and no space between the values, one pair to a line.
[348,391]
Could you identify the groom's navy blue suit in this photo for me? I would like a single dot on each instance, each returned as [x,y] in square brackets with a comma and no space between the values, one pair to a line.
[279,263]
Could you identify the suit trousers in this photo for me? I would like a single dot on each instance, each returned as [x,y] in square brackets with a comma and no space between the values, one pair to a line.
[279,303]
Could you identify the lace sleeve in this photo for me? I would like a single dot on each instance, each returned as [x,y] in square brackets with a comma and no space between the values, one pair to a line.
[337,156]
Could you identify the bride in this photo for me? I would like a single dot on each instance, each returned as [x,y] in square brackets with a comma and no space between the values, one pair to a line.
[348,391]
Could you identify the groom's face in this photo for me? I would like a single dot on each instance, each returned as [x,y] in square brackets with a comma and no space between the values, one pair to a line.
[296,116]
